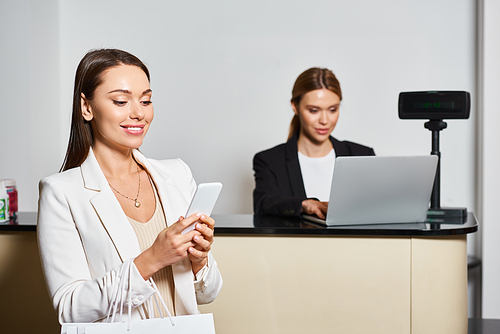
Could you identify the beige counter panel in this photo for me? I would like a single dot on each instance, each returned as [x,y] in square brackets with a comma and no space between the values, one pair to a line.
[439,285]
[25,306]
[312,285]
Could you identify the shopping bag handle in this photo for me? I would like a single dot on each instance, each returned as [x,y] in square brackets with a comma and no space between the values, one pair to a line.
[118,296]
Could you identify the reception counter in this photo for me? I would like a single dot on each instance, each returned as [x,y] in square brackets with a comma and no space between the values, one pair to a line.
[25,307]
[287,275]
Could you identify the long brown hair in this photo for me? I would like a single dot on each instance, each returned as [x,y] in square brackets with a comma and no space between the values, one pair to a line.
[309,80]
[88,77]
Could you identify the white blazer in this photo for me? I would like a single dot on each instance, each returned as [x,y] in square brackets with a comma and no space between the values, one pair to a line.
[84,237]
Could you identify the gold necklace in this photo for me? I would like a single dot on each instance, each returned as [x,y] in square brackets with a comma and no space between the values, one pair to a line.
[137,204]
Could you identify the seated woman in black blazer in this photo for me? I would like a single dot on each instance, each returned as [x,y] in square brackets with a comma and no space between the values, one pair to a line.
[295,177]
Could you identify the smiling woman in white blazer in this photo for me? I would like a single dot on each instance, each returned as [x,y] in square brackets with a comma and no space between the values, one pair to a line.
[86,212]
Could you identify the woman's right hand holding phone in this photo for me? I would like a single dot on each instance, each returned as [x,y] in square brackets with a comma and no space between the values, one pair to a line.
[169,247]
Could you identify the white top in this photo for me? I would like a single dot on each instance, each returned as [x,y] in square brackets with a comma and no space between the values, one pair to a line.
[317,174]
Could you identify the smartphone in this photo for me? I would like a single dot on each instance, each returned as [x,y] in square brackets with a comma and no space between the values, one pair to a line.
[203,201]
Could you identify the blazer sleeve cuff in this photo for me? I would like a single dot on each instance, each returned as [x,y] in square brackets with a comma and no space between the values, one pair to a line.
[208,286]
[141,289]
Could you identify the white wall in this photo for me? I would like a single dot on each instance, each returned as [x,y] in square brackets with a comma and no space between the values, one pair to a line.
[29,94]
[491,161]
[222,72]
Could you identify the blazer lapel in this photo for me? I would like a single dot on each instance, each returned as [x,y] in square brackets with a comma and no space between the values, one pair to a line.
[109,210]
[340,148]
[174,205]
[293,168]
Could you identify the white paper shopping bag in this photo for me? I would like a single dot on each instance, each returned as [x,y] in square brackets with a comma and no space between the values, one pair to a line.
[185,324]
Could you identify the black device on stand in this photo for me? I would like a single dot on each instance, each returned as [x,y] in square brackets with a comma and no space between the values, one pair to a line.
[436,106]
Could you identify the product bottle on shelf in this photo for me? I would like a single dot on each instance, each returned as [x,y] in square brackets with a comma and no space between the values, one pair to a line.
[4,203]
[10,185]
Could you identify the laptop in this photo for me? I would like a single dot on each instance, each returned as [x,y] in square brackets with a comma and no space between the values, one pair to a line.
[380,190]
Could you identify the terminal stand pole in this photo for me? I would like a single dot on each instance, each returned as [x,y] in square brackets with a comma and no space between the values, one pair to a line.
[435,126]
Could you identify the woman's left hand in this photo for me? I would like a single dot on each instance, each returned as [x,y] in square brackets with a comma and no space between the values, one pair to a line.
[204,239]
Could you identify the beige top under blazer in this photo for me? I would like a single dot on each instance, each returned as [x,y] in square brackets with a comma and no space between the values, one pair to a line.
[84,237]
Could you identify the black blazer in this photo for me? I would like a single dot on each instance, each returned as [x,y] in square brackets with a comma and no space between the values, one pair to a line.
[279,188]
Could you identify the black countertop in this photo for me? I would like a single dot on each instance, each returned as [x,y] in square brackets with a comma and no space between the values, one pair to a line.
[247,224]
[25,221]
[279,225]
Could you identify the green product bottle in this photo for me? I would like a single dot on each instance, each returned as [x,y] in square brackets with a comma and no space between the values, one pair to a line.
[4,203]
